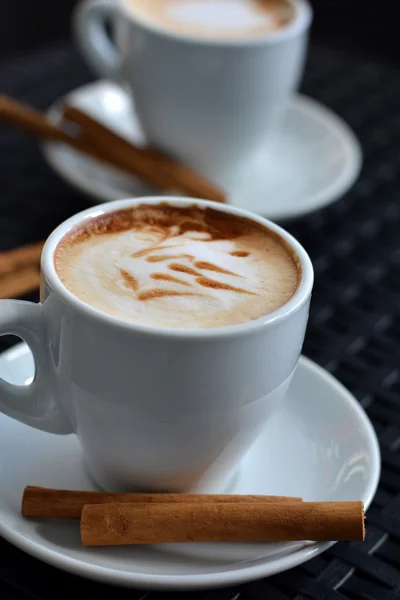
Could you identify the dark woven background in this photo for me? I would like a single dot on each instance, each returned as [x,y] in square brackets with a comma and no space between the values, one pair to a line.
[354,328]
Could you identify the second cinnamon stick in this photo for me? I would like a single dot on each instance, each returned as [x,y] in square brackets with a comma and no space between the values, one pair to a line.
[19,283]
[68,504]
[18,258]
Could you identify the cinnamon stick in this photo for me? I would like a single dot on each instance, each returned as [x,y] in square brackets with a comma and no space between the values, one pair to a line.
[67,504]
[20,282]
[13,260]
[125,524]
[153,166]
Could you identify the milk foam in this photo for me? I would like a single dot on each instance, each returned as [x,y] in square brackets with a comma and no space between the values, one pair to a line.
[168,278]
[219,14]
[217,17]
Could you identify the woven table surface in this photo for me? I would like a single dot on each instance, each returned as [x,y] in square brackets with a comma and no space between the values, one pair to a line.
[354,328]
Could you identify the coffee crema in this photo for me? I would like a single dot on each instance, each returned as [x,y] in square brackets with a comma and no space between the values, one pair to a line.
[167,266]
[216,18]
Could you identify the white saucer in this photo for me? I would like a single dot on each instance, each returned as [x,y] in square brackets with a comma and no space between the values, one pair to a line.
[311,162]
[320,446]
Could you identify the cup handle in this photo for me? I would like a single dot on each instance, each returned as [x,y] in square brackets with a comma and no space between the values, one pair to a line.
[88,24]
[32,404]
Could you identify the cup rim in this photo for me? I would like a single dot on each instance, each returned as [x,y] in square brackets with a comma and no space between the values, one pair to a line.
[299,298]
[302,19]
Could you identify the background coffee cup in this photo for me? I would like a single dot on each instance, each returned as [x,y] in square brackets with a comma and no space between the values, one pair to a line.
[156,409]
[210,102]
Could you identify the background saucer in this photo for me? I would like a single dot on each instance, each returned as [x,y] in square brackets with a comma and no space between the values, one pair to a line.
[320,445]
[310,162]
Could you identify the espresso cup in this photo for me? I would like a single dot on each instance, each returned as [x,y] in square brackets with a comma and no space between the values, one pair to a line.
[212,103]
[154,408]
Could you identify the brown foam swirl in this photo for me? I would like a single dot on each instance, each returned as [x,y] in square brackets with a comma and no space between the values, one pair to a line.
[177,267]
[157,293]
[129,279]
[240,254]
[206,266]
[183,269]
[218,285]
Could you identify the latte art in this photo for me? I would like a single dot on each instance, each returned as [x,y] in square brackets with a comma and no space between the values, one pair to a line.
[216,18]
[172,267]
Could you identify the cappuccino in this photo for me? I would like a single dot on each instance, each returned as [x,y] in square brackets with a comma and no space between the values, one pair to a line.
[216,18]
[167,266]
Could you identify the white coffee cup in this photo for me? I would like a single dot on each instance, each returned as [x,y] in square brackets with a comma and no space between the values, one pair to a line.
[211,103]
[153,408]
